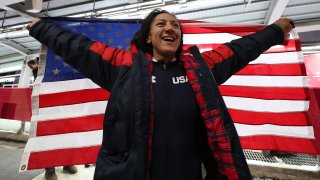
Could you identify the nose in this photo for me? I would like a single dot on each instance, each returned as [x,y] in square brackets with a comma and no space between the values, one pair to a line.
[169,27]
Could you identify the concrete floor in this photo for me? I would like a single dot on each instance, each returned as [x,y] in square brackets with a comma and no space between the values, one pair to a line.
[82,174]
[10,155]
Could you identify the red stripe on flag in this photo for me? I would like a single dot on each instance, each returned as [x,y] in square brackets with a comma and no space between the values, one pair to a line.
[52,158]
[221,29]
[259,118]
[271,93]
[70,125]
[288,46]
[73,97]
[274,69]
[279,143]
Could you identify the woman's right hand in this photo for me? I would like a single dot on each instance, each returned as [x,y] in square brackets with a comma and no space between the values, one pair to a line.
[34,21]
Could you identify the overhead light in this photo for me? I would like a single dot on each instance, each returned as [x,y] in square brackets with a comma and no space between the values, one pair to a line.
[33,6]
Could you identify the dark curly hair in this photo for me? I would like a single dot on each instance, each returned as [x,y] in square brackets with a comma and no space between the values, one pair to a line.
[140,38]
[32,62]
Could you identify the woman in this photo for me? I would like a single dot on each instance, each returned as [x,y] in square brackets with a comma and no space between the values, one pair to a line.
[165,115]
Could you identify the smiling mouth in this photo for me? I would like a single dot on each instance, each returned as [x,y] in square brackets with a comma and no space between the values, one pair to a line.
[168,39]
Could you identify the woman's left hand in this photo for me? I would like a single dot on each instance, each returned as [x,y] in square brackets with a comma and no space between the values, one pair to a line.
[286,24]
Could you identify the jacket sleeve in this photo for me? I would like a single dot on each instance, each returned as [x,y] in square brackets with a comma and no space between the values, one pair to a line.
[96,60]
[229,58]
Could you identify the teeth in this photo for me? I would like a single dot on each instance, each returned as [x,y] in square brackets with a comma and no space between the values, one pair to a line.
[168,39]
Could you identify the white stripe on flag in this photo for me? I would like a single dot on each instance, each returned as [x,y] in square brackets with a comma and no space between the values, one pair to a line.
[70,85]
[213,38]
[208,38]
[268,81]
[259,105]
[70,111]
[269,129]
[279,58]
[64,141]
[93,138]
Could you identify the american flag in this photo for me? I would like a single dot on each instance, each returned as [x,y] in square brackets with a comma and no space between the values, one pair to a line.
[268,100]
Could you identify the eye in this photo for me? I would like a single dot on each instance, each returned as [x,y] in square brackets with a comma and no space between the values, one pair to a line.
[160,24]
[175,25]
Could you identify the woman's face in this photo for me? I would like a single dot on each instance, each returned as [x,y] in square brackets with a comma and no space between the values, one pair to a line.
[165,36]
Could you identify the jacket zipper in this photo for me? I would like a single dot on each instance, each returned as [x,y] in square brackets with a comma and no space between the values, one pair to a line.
[167,96]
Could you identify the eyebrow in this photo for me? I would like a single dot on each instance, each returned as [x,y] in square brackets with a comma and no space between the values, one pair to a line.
[166,20]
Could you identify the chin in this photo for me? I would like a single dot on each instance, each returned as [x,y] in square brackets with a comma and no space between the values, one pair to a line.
[170,54]
[170,51]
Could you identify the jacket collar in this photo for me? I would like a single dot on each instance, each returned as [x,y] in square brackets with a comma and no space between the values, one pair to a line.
[134,50]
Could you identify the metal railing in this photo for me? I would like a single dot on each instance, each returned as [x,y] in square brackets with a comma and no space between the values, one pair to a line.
[11,85]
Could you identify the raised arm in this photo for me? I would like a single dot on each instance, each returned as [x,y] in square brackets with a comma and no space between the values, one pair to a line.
[231,57]
[96,60]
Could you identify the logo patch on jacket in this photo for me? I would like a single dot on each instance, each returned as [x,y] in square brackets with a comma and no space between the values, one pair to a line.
[179,80]
[153,79]
[175,80]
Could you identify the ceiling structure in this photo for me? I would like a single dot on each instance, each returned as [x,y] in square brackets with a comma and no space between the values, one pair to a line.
[16,44]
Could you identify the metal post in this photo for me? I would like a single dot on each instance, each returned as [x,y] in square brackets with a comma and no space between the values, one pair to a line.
[93,14]
[22,127]
[48,4]
[4,18]
[318,162]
